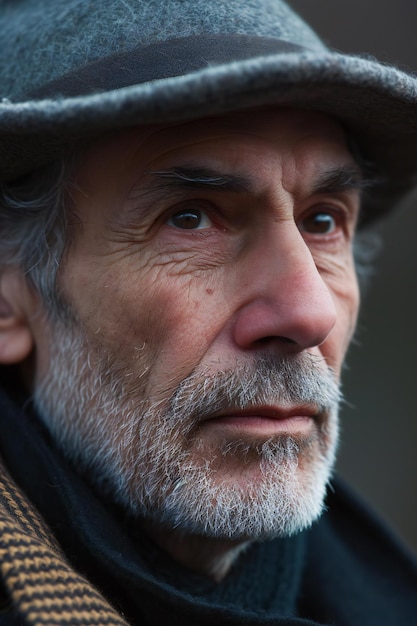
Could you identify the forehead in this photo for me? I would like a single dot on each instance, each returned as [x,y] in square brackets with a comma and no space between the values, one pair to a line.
[252,140]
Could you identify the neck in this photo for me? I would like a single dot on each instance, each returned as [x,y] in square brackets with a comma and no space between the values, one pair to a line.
[212,557]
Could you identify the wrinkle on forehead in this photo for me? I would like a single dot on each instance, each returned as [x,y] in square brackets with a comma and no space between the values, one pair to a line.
[159,137]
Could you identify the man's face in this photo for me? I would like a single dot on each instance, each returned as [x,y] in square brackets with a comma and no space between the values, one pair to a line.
[212,287]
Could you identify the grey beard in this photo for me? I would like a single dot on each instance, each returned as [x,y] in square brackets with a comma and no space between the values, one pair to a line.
[150,456]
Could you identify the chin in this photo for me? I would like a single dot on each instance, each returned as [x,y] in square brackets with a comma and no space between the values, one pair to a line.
[244,494]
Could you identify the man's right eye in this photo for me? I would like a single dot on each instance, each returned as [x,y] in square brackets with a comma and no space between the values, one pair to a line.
[190,219]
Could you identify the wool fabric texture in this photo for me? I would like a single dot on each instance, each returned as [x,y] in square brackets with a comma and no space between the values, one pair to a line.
[73,69]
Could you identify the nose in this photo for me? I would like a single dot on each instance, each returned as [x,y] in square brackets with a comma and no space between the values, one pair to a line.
[286,301]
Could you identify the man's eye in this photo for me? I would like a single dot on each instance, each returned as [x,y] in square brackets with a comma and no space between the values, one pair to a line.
[319,224]
[190,219]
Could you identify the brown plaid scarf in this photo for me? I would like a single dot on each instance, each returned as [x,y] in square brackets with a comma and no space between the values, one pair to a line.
[42,586]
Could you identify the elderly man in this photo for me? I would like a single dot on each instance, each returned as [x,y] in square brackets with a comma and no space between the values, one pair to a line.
[182,184]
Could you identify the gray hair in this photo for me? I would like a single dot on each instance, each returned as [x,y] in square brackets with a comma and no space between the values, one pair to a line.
[33,227]
[34,235]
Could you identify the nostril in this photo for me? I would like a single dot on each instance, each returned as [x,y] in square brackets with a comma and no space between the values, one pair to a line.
[271,338]
[287,317]
[286,340]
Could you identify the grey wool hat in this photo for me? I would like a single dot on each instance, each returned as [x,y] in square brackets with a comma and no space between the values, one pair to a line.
[73,69]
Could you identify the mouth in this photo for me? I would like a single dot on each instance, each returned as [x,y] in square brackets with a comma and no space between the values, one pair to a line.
[266,420]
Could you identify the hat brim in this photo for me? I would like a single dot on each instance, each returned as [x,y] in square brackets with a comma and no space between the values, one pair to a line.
[375,103]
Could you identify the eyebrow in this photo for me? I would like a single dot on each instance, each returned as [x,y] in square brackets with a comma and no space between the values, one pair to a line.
[340,179]
[203,178]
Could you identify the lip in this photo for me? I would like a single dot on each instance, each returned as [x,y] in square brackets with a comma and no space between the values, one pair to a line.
[266,420]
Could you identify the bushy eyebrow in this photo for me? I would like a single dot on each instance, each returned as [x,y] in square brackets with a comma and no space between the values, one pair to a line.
[203,178]
[178,180]
[340,179]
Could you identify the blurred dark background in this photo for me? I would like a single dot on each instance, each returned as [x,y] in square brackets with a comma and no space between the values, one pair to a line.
[379,424]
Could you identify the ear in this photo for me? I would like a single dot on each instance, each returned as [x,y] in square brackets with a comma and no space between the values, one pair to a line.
[16,340]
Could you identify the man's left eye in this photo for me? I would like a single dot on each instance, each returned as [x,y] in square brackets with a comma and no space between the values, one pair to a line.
[190,219]
[320,223]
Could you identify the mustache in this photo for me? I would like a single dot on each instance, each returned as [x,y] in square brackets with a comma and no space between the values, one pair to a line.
[271,380]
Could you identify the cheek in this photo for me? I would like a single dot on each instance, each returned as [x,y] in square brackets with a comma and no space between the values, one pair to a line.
[347,299]
[165,321]
[185,320]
